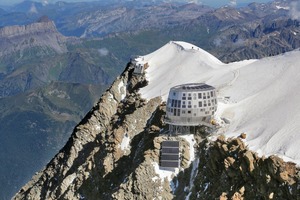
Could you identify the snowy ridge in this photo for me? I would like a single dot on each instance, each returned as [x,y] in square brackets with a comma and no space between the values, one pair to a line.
[258,97]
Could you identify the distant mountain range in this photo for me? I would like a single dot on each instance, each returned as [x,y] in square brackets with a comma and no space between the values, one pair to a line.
[80,48]
[47,85]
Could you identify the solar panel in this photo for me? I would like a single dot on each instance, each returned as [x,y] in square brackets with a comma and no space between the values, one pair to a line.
[170,150]
[169,154]
[170,144]
[170,164]
[169,157]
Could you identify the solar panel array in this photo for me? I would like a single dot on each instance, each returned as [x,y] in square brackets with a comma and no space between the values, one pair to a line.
[169,157]
[196,87]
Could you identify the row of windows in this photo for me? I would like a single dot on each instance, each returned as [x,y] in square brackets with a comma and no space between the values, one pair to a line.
[177,112]
[177,103]
[204,95]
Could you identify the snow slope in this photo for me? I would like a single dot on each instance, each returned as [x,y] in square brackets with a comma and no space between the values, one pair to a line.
[262,96]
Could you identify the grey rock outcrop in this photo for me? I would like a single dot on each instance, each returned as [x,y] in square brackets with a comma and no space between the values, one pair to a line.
[40,34]
[95,147]
[229,170]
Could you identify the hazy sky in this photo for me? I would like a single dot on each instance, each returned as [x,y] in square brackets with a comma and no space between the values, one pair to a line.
[207,2]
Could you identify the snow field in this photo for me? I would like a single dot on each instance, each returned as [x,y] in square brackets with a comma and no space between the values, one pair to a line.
[263,98]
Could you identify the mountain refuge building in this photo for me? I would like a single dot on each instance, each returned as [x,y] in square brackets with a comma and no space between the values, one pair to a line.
[139,64]
[190,105]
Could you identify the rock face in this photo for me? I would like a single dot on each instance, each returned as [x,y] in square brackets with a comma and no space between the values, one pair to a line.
[98,147]
[36,54]
[42,34]
[230,171]
[114,154]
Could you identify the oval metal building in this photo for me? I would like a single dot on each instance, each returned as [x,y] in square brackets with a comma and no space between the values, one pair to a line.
[190,105]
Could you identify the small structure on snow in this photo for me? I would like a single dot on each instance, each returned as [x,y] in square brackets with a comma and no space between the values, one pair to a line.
[139,64]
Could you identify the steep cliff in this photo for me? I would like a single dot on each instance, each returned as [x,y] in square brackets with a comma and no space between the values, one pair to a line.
[41,34]
[114,154]
[98,144]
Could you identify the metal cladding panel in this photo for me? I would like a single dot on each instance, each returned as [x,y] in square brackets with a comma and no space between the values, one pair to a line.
[171,164]
[170,144]
[170,150]
[169,157]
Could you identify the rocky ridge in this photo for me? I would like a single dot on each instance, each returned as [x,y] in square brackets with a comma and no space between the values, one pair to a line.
[42,34]
[94,146]
[229,170]
[114,151]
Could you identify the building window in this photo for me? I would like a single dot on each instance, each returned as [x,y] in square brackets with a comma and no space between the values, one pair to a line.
[179,104]
[178,113]
[195,106]
[175,103]
[209,104]
[202,110]
[195,114]
[194,96]
[215,101]
[207,112]
[172,105]
[175,112]
[171,110]
[204,96]
[174,93]
[183,96]
[213,112]
[200,104]
[211,93]
[199,95]
[189,96]
[183,106]
[189,112]
[189,104]
[183,111]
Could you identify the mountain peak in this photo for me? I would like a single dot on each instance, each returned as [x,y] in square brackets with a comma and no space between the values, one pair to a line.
[44,18]
[41,33]
[173,63]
